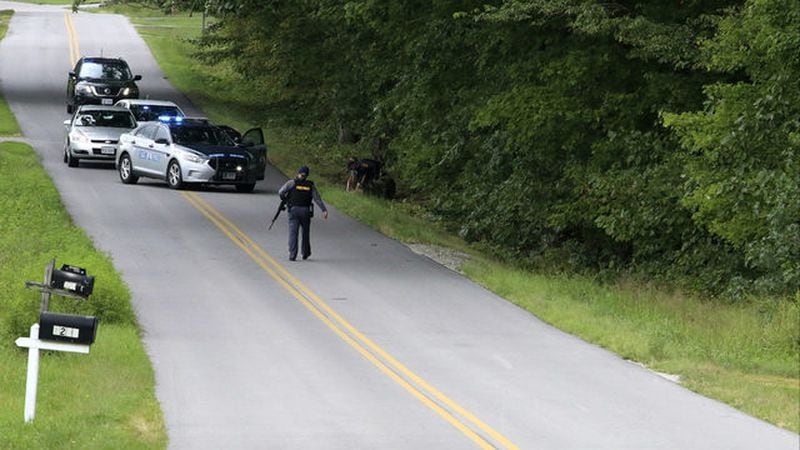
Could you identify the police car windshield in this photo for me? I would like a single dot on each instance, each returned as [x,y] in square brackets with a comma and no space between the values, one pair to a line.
[145,113]
[117,71]
[199,135]
[112,119]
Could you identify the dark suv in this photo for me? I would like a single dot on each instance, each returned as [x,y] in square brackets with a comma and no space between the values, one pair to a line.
[100,81]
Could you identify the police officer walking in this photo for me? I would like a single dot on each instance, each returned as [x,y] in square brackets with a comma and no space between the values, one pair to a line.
[299,194]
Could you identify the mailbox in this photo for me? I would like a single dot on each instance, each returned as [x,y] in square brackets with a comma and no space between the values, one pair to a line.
[73,279]
[67,328]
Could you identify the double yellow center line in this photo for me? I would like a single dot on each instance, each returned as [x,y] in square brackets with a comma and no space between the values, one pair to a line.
[479,432]
[72,37]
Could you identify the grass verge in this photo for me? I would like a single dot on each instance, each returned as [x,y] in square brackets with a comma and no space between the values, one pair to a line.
[8,124]
[48,2]
[100,400]
[5,17]
[747,354]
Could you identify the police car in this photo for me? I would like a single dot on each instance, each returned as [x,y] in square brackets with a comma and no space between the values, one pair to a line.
[148,110]
[185,151]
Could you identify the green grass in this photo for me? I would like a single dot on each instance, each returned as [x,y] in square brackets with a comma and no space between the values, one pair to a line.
[8,124]
[746,354]
[105,399]
[102,400]
[5,18]
[47,2]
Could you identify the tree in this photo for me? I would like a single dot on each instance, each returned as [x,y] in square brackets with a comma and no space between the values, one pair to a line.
[538,126]
[742,158]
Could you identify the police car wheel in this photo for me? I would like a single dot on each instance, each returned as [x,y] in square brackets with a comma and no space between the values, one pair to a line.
[126,170]
[174,176]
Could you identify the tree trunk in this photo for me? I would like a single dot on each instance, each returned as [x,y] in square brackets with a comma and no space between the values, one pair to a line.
[346,135]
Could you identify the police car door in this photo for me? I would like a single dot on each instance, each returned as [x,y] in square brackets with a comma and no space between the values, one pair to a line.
[253,141]
[143,154]
[161,150]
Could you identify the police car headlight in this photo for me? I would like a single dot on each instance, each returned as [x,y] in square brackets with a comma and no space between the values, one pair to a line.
[84,89]
[195,158]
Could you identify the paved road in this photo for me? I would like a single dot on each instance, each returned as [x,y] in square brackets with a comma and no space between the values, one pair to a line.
[367,345]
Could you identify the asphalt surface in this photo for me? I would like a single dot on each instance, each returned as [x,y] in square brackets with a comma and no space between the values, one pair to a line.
[366,345]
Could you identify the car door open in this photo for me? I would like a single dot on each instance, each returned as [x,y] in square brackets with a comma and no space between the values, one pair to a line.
[253,140]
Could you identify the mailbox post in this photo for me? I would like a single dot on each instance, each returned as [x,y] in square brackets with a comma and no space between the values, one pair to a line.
[69,281]
[59,332]
[33,344]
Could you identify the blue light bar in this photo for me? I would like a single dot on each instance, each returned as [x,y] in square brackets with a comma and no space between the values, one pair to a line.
[176,119]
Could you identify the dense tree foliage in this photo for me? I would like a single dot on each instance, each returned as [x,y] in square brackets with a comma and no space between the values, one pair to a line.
[646,136]
[741,151]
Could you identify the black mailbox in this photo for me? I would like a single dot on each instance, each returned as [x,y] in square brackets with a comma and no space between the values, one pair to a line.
[67,328]
[73,279]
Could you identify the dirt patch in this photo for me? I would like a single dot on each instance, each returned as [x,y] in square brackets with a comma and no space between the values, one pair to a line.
[148,430]
[452,259]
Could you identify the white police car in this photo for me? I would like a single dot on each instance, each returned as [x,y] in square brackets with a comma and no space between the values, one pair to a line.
[185,151]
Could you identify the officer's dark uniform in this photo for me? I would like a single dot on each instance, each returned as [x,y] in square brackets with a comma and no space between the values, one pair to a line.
[300,195]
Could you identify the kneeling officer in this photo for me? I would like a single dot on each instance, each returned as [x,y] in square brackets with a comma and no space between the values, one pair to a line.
[299,194]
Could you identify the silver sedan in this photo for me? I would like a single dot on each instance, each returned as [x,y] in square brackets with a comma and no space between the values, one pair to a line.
[93,133]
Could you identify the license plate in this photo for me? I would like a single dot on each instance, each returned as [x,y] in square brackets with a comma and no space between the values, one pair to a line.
[107,150]
[107,101]
[228,175]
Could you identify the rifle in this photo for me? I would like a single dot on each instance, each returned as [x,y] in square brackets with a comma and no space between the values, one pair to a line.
[281,207]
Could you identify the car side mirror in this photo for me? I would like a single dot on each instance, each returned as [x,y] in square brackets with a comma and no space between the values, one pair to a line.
[161,141]
[67,123]
[72,74]
[137,77]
